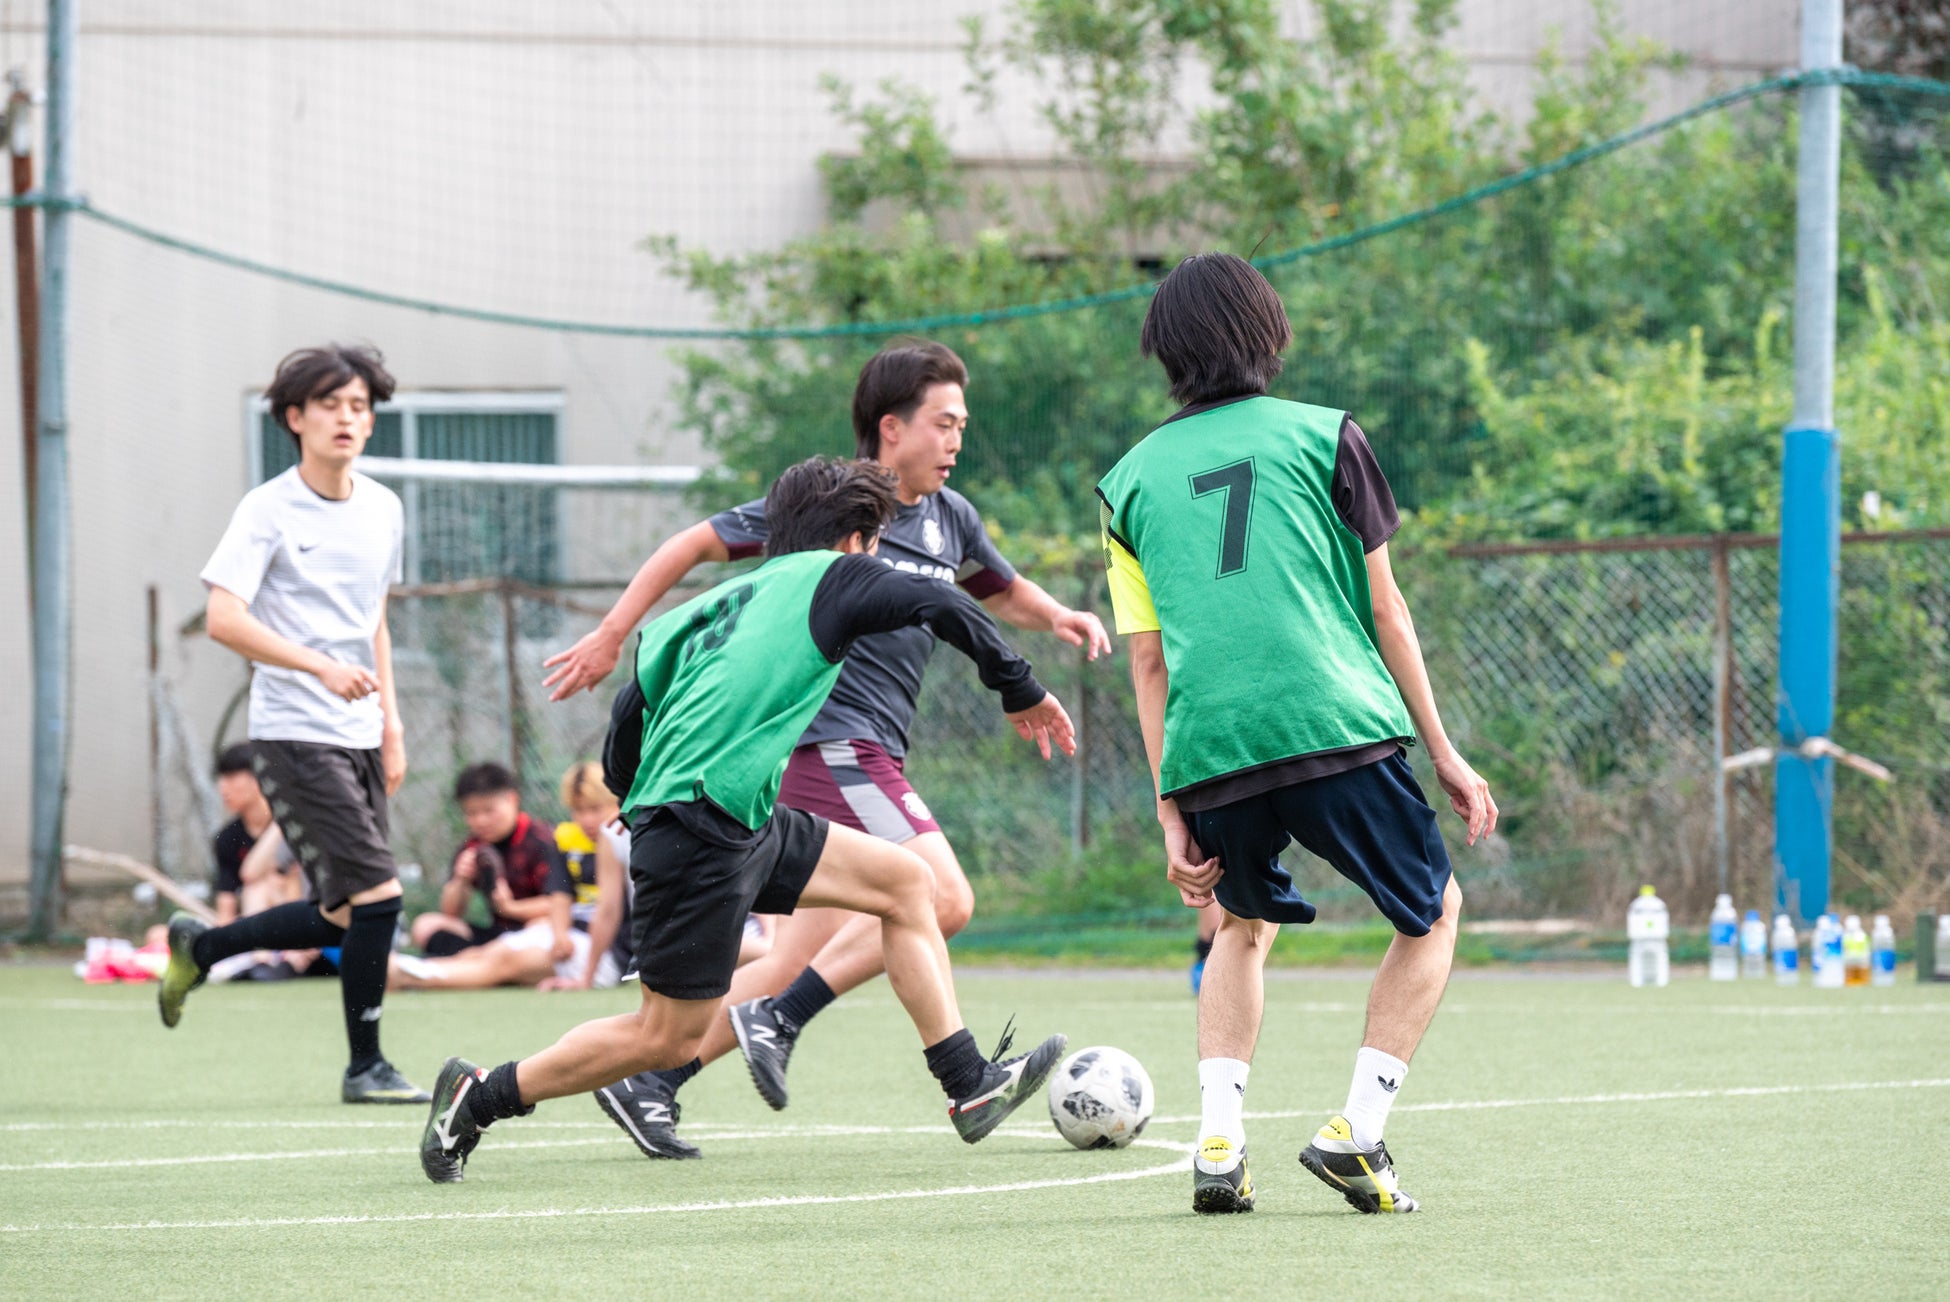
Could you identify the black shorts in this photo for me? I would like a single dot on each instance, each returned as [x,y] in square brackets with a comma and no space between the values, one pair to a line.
[330,803]
[696,872]
[1371,823]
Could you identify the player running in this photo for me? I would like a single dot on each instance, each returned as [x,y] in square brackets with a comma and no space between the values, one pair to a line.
[724,686]
[909,415]
[1278,678]
[298,586]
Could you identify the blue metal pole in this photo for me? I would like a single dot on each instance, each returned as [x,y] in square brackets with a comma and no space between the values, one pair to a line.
[53,608]
[1811,544]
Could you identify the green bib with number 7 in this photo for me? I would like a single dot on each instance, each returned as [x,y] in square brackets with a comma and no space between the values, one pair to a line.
[1261,590]
[730,680]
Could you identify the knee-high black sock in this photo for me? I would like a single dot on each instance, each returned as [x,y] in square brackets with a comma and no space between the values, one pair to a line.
[803,1000]
[297,925]
[362,976]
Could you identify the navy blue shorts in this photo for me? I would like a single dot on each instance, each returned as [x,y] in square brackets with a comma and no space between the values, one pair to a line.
[1371,823]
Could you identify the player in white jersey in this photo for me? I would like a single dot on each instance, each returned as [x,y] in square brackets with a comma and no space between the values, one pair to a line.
[298,587]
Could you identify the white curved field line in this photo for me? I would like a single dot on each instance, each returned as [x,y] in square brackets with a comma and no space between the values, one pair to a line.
[1180,1163]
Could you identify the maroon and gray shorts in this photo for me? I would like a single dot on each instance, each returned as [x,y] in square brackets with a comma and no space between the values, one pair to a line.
[856,784]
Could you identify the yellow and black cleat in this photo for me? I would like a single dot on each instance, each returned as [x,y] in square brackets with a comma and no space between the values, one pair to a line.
[1363,1176]
[182,975]
[1220,1181]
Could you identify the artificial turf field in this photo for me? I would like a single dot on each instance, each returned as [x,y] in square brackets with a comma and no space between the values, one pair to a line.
[1567,1135]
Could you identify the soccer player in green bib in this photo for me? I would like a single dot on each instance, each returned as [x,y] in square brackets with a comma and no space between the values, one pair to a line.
[725,685]
[1278,679]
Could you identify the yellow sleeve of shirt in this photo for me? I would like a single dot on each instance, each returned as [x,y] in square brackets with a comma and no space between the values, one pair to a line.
[1130,595]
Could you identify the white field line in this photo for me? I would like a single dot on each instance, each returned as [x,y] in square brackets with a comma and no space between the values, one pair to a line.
[1571,1100]
[770,1132]
[1179,1164]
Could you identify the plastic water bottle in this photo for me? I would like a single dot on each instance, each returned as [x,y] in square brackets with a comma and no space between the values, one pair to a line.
[1753,945]
[1647,925]
[1825,953]
[1882,952]
[1942,972]
[1787,952]
[1855,952]
[1722,941]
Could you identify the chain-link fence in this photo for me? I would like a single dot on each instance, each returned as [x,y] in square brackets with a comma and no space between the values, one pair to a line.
[1586,681]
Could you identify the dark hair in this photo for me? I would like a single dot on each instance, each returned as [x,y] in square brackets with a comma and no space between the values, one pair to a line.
[1218,327]
[825,500]
[236,759]
[314,372]
[893,382]
[488,779]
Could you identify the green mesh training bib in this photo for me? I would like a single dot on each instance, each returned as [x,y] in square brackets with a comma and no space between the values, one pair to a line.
[730,680]
[1261,590]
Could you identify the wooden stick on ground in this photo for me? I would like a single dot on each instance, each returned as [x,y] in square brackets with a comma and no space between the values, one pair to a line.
[166,886]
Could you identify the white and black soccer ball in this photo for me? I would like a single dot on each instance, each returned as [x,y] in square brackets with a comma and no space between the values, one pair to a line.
[1100,1098]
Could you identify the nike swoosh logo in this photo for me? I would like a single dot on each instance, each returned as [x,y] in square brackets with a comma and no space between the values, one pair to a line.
[305,547]
[443,1124]
[1015,1074]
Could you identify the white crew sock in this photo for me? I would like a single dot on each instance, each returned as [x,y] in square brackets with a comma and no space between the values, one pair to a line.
[1222,1099]
[1377,1076]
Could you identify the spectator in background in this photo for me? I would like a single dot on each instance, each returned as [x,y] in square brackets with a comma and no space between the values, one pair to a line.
[238,790]
[509,859]
[602,883]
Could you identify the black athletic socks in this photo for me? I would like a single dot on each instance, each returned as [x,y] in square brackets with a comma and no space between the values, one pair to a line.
[803,1000]
[675,1077]
[497,1096]
[957,1064]
[297,925]
[362,976]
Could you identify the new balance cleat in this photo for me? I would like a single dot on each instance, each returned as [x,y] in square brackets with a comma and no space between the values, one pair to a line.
[1220,1182]
[767,1044]
[648,1111]
[1005,1087]
[182,975]
[1364,1176]
[451,1133]
[381,1083]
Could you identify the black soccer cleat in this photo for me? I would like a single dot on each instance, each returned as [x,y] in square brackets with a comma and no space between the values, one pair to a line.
[1005,1087]
[182,975]
[767,1044]
[1220,1181]
[380,1083]
[1364,1176]
[451,1133]
[648,1111]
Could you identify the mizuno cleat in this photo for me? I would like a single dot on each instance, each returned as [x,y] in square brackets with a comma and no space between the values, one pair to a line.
[648,1111]
[381,1083]
[182,975]
[1005,1087]
[1364,1176]
[451,1133]
[767,1044]
[1220,1182]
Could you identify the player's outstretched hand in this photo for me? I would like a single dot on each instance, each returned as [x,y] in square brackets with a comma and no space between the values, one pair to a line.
[1468,795]
[1046,722]
[1186,866]
[348,682]
[582,666]
[1081,628]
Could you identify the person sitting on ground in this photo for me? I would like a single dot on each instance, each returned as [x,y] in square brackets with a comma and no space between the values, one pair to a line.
[509,859]
[241,796]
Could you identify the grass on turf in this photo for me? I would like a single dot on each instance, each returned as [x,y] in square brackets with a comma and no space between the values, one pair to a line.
[1567,1135]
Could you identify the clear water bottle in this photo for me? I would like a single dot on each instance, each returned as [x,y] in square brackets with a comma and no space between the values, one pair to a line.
[1882,952]
[1647,926]
[1942,972]
[1753,945]
[1855,952]
[1723,941]
[1787,952]
[1825,953]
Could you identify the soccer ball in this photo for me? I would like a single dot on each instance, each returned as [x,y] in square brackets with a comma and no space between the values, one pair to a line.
[1100,1098]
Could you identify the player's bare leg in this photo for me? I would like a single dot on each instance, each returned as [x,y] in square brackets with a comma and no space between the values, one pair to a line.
[1348,1154]
[853,956]
[1232,998]
[480,968]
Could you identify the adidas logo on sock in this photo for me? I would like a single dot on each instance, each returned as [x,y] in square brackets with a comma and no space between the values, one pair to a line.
[1389,1085]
